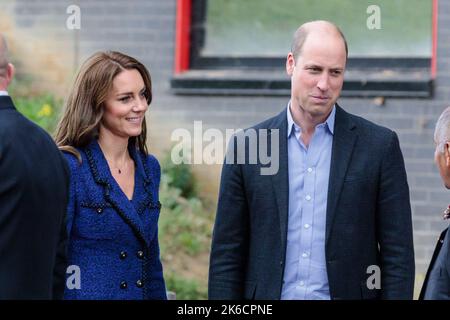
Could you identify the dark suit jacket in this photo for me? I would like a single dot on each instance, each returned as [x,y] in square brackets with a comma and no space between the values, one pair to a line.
[34,181]
[368,219]
[437,281]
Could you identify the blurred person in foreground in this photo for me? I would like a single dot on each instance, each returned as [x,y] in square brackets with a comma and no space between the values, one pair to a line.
[113,207]
[437,280]
[34,181]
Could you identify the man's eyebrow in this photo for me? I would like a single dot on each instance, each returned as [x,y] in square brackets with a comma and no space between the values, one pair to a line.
[313,65]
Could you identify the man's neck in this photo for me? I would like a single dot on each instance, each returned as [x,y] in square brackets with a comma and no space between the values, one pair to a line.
[3,88]
[306,121]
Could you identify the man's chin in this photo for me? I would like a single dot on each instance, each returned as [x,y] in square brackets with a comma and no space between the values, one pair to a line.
[319,110]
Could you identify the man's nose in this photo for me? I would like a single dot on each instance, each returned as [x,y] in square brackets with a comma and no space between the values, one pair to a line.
[323,83]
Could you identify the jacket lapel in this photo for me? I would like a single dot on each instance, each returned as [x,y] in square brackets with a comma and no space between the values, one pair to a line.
[343,143]
[142,197]
[145,193]
[112,192]
[433,260]
[280,180]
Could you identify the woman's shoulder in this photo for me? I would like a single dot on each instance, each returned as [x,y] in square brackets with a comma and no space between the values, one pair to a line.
[152,162]
[151,165]
[72,159]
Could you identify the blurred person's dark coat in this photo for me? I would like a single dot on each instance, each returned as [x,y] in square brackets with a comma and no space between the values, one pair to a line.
[34,181]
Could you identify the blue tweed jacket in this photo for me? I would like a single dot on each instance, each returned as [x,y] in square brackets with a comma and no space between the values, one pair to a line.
[113,241]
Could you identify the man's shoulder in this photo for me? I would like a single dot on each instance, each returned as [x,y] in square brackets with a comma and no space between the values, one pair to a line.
[13,124]
[367,127]
[10,120]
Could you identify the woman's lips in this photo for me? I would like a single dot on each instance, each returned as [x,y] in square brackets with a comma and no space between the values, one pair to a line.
[136,120]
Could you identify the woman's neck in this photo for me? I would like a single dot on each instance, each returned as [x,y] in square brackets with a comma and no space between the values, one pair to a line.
[115,149]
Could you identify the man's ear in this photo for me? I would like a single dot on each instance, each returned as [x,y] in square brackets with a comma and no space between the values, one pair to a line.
[10,71]
[290,64]
[447,154]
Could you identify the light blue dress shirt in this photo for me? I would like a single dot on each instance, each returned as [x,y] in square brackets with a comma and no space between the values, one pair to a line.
[305,273]
[3,93]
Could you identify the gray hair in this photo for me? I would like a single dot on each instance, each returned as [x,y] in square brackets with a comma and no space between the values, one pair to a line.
[3,55]
[442,130]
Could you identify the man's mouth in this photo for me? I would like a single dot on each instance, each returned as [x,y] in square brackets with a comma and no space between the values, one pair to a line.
[320,97]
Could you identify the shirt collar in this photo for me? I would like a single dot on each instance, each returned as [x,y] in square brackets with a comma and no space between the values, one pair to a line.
[291,124]
[4,93]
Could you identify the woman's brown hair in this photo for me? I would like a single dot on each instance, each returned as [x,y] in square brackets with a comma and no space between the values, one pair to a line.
[83,110]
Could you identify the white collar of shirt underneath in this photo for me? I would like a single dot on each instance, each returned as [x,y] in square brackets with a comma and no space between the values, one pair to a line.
[4,93]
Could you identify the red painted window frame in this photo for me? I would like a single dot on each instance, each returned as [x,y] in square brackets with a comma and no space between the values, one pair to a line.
[183,36]
[434,39]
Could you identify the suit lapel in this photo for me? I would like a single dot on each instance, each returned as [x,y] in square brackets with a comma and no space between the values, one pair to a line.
[112,192]
[343,143]
[280,180]
[433,260]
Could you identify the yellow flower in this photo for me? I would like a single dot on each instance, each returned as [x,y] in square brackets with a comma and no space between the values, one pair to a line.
[46,111]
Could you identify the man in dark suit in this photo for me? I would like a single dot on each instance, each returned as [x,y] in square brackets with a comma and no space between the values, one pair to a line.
[34,185]
[334,222]
[436,285]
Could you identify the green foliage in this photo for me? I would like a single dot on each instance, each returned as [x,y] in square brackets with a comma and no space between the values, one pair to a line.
[185,289]
[184,224]
[41,108]
[185,229]
[180,177]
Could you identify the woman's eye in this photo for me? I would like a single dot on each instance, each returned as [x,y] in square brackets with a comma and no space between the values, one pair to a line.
[124,99]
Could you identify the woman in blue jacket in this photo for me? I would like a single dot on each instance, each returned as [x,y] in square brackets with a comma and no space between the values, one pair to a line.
[113,209]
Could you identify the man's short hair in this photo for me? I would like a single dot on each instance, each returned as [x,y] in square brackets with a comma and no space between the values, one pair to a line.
[442,130]
[302,33]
